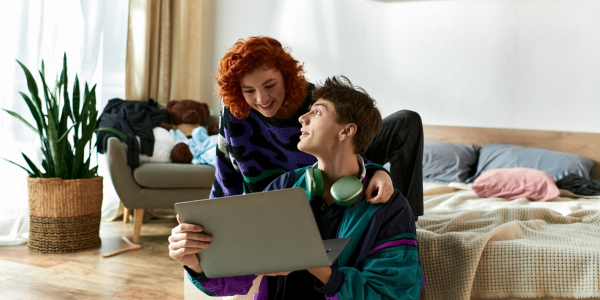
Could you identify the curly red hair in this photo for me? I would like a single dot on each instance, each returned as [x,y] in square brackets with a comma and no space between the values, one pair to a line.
[248,54]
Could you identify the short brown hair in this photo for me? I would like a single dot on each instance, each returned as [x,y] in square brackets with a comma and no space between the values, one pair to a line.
[352,105]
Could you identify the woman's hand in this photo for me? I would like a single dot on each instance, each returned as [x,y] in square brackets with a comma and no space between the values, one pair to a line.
[185,241]
[382,183]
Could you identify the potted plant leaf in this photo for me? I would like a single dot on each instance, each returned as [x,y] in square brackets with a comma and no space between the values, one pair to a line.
[65,192]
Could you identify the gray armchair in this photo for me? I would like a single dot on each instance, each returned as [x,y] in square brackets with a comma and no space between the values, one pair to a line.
[154,185]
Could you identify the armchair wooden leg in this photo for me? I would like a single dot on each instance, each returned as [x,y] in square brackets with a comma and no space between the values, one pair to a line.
[126,214]
[138,216]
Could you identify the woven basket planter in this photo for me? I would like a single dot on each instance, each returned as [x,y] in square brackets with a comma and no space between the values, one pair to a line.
[64,214]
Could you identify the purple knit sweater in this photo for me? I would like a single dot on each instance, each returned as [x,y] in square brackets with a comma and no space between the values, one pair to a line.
[254,151]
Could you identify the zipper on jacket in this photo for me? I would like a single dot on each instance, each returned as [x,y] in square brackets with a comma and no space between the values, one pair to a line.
[283,294]
[284,282]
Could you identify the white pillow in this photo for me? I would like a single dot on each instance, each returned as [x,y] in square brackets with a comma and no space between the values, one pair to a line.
[163,144]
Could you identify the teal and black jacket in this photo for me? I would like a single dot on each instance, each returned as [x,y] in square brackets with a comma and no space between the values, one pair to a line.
[381,261]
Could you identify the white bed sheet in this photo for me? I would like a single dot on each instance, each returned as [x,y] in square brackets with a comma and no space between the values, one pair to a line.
[497,248]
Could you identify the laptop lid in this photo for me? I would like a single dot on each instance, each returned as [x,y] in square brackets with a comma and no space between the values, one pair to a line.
[258,233]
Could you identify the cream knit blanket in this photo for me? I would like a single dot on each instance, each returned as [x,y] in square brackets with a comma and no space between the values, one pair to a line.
[495,248]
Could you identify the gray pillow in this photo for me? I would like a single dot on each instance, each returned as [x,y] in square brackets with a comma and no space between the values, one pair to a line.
[446,162]
[557,164]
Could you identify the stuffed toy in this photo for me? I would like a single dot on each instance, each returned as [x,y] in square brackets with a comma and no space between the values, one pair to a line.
[163,146]
[187,115]
[202,147]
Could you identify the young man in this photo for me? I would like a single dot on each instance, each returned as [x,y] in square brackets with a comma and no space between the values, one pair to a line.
[382,259]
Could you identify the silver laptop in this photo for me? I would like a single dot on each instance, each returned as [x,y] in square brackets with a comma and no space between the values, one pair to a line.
[260,233]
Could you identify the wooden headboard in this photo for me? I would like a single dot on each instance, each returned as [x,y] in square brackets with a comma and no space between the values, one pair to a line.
[584,144]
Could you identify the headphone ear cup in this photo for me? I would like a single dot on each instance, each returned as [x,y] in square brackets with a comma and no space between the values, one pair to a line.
[319,186]
[309,180]
[347,190]
[314,182]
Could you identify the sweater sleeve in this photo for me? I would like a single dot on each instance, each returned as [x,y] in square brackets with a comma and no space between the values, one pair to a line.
[229,180]
[224,286]
[374,167]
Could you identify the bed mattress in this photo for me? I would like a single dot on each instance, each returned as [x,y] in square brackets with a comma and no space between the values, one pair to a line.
[491,248]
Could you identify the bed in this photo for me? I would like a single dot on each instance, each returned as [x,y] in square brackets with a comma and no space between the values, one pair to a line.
[493,248]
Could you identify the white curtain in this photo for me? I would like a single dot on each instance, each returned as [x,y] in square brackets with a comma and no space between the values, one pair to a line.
[93,33]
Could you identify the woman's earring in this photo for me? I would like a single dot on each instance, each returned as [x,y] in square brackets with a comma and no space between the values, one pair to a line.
[286,103]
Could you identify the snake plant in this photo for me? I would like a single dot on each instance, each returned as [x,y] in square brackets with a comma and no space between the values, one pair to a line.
[65,126]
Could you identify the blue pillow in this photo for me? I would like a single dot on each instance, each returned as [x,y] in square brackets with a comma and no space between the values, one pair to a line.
[446,162]
[557,164]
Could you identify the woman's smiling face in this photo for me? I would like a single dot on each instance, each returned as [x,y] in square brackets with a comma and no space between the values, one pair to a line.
[264,90]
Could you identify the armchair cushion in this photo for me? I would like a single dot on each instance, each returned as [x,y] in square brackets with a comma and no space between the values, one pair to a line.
[170,175]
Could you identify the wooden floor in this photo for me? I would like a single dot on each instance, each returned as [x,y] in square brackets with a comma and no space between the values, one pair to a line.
[148,273]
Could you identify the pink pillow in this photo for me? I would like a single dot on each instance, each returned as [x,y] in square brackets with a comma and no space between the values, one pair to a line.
[516,183]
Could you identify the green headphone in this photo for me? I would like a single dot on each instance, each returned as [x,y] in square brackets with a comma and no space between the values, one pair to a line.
[345,192]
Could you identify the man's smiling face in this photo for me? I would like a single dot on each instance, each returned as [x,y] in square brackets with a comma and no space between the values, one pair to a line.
[319,128]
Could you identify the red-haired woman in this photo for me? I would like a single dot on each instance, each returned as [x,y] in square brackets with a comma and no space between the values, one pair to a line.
[264,92]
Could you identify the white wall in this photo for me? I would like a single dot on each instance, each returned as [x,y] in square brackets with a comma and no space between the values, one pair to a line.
[529,64]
